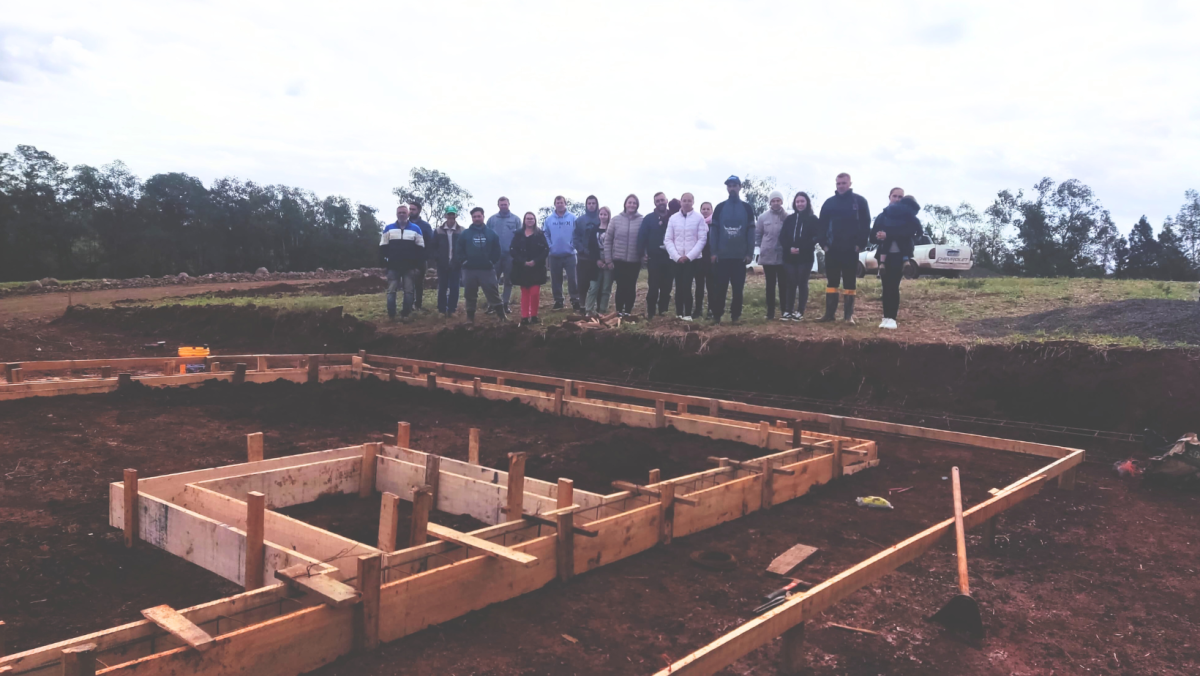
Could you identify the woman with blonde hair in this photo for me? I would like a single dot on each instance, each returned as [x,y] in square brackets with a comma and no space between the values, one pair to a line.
[623,253]
[600,289]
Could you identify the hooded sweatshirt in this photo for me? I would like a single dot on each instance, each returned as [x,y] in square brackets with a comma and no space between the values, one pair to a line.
[579,239]
[478,248]
[731,235]
[800,231]
[505,226]
[766,236]
[900,226]
[560,233]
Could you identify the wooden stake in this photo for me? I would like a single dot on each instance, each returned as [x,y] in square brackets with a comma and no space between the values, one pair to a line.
[836,424]
[314,369]
[254,447]
[105,371]
[764,434]
[473,444]
[433,476]
[768,484]
[558,400]
[389,521]
[989,532]
[418,530]
[582,389]
[239,374]
[837,458]
[169,367]
[356,364]
[431,381]
[79,660]
[797,434]
[666,517]
[566,493]
[416,370]
[362,354]
[791,657]
[569,389]
[500,382]
[565,554]
[369,581]
[1066,480]
[403,434]
[477,387]
[262,363]
[366,483]
[16,375]
[8,371]
[3,639]
[660,413]
[714,408]
[256,508]
[124,380]
[781,424]
[214,367]
[132,509]
[655,477]
[516,486]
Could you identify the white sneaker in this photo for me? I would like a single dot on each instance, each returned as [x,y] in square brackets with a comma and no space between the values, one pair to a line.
[797,317]
[883,324]
[686,318]
[889,324]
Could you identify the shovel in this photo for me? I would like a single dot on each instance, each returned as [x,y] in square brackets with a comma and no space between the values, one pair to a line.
[962,612]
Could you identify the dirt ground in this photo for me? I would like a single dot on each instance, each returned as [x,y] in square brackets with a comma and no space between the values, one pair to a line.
[1165,321]
[1099,580]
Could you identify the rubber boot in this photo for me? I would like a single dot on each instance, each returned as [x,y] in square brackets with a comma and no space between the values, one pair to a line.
[849,311]
[501,315]
[831,302]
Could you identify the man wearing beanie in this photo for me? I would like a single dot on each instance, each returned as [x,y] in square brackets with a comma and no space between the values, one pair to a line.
[845,227]
[770,253]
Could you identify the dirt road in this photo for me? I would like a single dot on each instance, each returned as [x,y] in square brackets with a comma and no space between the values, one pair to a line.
[50,305]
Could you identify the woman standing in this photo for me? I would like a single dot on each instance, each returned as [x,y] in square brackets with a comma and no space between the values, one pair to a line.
[704,277]
[798,241]
[770,254]
[529,251]
[601,287]
[622,252]
[896,231]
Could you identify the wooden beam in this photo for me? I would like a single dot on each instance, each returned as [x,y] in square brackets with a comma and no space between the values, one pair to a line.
[837,458]
[105,372]
[477,387]
[666,519]
[660,413]
[516,486]
[79,660]
[366,482]
[764,434]
[254,447]
[655,492]
[131,507]
[750,466]
[3,639]
[314,369]
[566,493]
[558,401]
[551,519]
[256,507]
[418,531]
[16,375]
[331,592]
[836,424]
[179,626]
[239,374]
[473,445]
[403,434]
[389,521]
[655,477]
[489,548]
[433,476]
[366,618]
[431,381]
[768,483]
[565,546]
[262,363]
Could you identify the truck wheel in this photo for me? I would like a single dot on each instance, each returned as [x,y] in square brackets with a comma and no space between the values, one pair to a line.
[862,270]
[911,270]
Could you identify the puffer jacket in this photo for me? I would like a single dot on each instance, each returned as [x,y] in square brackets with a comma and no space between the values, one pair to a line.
[622,237]
[766,237]
[686,236]
[899,224]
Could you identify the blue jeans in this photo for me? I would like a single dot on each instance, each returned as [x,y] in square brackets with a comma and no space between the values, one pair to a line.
[504,276]
[449,277]
[560,263]
[397,281]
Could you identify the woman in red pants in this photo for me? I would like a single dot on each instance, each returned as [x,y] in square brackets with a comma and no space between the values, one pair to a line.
[529,251]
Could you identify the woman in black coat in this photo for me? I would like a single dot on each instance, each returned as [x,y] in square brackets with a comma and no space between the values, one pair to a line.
[529,251]
[798,239]
[895,234]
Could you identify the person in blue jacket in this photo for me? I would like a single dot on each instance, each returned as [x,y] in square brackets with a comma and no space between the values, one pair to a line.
[845,226]
[896,231]
[478,249]
[731,241]
[402,250]
[559,228]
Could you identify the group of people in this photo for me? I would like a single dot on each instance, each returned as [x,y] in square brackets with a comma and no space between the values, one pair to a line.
[695,251]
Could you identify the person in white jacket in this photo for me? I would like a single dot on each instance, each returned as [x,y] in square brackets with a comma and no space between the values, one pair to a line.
[687,232]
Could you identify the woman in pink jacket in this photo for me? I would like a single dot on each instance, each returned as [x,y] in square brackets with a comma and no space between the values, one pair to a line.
[684,241]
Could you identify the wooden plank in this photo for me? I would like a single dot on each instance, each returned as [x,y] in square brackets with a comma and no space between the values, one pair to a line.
[565,546]
[786,563]
[389,521]
[433,476]
[179,626]
[256,506]
[254,447]
[660,414]
[131,500]
[566,493]
[330,591]
[419,528]
[516,485]
[295,485]
[79,660]
[666,519]
[403,434]
[366,481]
[488,548]
[367,614]
[473,446]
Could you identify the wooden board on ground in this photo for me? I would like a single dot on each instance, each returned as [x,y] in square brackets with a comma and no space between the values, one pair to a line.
[334,593]
[179,626]
[790,560]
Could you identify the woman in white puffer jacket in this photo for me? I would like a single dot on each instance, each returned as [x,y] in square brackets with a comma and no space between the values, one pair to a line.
[687,232]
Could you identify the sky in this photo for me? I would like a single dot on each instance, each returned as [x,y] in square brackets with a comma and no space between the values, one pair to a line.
[950,100]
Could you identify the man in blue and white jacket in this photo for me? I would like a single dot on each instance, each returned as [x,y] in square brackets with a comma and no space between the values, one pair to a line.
[402,249]
[559,228]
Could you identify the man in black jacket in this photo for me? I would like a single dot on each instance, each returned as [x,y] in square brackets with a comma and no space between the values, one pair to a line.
[414,217]
[659,268]
[845,227]
[731,245]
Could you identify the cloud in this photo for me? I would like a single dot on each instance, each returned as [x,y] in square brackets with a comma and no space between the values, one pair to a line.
[295,88]
[941,34]
[706,126]
[22,56]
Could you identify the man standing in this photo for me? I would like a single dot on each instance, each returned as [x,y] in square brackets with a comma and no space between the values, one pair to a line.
[449,267]
[845,228]
[686,235]
[479,250]
[560,235]
[587,254]
[658,261]
[505,224]
[414,217]
[402,248]
[731,240]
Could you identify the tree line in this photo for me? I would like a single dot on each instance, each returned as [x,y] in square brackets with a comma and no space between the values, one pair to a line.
[87,222]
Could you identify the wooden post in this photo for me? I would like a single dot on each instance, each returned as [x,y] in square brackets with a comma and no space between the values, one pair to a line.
[477,387]
[558,400]
[565,554]
[797,434]
[582,389]
[989,532]
[655,477]
[105,371]
[433,476]
[764,434]
[314,369]
[768,483]
[791,657]
[169,367]
[516,486]
[569,389]
[837,458]
[666,516]
[16,375]
[660,413]
[370,579]
[214,367]
[124,380]
[132,509]
[566,493]
[254,447]
[3,639]
[419,526]
[8,370]
[256,508]
[431,381]
[416,370]
[239,374]
[781,424]
[362,354]
[79,660]
[389,521]
[356,364]
[1066,480]
[836,424]
[500,382]
[714,408]
[473,444]
[262,363]
[366,483]
[403,434]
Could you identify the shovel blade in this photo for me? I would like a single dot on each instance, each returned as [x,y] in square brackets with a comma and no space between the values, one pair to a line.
[961,614]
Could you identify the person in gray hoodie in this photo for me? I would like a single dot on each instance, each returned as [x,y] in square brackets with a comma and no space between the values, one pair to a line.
[559,227]
[586,249]
[770,253]
[731,240]
[621,251]
[505,224]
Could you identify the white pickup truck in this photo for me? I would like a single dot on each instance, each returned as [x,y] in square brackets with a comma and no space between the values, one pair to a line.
[947,260]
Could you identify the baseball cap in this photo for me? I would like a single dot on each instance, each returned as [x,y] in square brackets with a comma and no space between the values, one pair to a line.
[732,179]
[452,209]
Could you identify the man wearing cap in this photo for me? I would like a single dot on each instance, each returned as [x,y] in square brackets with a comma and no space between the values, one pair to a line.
[479,250]
[449,267]
[402,248]
[559,228]
[845,228]
[505,224]
[770,253]
[731,240]
[414,217]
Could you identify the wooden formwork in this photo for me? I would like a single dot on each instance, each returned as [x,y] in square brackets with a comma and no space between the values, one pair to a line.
[313,596]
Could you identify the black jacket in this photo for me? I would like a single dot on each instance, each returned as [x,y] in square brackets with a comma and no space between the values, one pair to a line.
[800,231]
[652,233]
[444,242]
[845,223]
[427,232]
[899,224]
[587,245]
[529,248]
